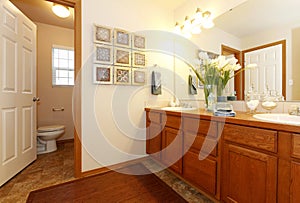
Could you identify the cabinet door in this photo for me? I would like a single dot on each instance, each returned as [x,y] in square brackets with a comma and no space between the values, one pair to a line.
[172,149]
[248,176]
[295,187]
[153,143]
[202,173]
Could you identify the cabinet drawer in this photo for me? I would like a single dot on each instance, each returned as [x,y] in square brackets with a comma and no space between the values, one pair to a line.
[154,117]
[195,143]
[200,126]
[252,137]
[172,121]
[296,145]
[201,173]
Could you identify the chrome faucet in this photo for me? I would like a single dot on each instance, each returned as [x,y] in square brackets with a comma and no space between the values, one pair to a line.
[295,110]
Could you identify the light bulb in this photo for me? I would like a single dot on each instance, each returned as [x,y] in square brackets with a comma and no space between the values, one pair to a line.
[198,16]
[177,28]
[207,21]
[60,10]
[187,23]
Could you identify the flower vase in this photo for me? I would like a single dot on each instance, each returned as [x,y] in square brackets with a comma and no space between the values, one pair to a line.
[220,92]
[210,94]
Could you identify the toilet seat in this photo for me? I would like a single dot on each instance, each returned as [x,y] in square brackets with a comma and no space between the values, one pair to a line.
[50,128]
[45,133]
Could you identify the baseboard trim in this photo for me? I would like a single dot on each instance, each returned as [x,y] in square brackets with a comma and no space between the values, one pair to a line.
[112,167]
[65,141]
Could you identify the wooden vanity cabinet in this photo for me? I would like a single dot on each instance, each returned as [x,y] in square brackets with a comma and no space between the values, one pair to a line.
[172,141]
[201,171]
[249,165]
[153,134]
[242,162]
[295,169]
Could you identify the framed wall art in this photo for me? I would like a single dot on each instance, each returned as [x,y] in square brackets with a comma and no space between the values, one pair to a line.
[138,76]
[122,75]
[122,38]
[103,54]
[102,74]
[103,34]
[139,59]
[138,42]
[122,57]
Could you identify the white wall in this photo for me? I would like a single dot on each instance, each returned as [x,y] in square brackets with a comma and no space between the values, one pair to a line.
[47,36]
[113,119]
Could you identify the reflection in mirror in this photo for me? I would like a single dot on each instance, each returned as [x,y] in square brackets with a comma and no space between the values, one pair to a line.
[258,22]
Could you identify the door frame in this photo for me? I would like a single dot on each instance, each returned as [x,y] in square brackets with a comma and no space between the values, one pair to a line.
[281,42]
[76,4]
[239,78]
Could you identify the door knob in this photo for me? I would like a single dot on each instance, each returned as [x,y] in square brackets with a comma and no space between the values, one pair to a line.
[35,99]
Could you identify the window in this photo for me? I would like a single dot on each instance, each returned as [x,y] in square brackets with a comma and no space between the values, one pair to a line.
[62,66]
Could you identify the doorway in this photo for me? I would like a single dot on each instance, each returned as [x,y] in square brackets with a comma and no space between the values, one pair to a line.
[239,77]
[271,71]
[76,5]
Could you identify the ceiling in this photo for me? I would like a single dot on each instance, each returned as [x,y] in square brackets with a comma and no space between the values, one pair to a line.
[40,11]
[248,18]
[255,16]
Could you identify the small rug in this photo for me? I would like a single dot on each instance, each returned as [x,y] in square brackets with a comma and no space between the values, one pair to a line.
[110,187]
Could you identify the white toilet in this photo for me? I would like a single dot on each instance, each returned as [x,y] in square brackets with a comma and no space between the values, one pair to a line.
[47,136]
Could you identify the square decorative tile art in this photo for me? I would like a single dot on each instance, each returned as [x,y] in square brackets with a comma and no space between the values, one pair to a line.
[138,76]
[122,38]
[122,75]
[122,57]
[103,74]
[104,54]
[139,59]
[139,42]
[103,34]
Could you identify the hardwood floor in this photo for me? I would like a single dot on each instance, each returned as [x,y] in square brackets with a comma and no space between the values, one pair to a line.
[58,167]
[111,187]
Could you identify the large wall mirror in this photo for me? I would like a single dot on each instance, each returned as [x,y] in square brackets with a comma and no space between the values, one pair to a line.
[261,22]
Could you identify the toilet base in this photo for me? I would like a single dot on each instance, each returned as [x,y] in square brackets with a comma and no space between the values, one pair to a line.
[50,146]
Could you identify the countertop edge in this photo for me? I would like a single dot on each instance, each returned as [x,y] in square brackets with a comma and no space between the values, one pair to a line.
[241,118]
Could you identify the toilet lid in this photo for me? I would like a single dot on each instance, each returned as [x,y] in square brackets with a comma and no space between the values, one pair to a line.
[51,128]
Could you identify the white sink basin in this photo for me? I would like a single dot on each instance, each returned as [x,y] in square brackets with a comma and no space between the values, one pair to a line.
[279,118]
[178,108]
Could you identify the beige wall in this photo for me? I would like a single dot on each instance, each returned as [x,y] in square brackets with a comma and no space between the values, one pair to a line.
[48,35]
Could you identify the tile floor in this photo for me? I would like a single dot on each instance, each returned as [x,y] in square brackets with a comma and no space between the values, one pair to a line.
[48,169]
[57,167]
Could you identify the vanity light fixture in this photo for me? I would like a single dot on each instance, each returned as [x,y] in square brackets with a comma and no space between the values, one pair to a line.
[60,10]
[193,26]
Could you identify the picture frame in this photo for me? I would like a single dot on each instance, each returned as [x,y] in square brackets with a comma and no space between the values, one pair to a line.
[139,59]
[103,54]
[102,74]
[122,57]
[138,76]
[122,38]
[138,42]
[122,75]
[103,34]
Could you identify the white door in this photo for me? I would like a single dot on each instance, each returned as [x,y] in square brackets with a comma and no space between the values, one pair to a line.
[269,69]
[17,89]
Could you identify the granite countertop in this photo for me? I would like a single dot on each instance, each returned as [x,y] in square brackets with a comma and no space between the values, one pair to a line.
[241,118]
